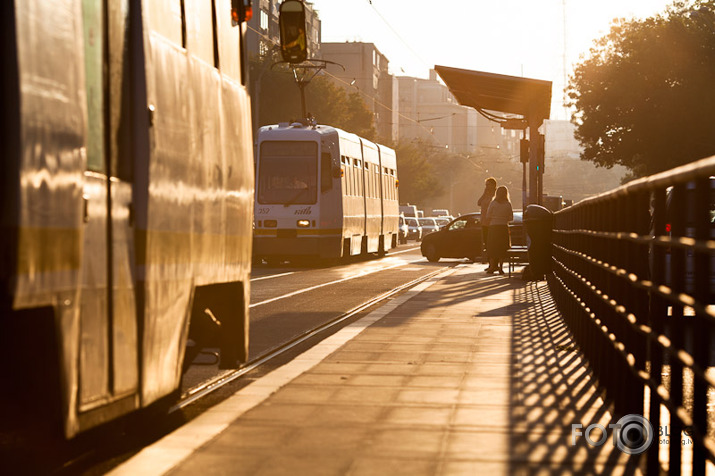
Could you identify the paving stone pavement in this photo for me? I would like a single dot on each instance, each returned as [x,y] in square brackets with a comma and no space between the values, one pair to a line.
[474,375]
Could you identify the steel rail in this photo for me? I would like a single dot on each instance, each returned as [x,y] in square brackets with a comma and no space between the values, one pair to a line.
[218,382]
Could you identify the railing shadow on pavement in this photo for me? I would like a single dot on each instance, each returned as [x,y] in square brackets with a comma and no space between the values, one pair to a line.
[552,389]
[550,384]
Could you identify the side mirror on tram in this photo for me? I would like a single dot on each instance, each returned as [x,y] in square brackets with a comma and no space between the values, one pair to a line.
[294,46]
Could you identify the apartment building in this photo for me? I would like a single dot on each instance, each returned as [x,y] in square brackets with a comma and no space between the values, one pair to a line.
[366,71]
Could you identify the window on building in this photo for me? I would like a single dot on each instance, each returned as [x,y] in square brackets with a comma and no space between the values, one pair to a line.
[264,20]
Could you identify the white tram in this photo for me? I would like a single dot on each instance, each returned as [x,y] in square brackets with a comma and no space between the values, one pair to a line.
[125,201]
[323,192]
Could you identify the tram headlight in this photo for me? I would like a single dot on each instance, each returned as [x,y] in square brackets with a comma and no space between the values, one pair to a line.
[303,223]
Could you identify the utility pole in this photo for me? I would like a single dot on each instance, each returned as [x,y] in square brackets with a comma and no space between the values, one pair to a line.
[534,193]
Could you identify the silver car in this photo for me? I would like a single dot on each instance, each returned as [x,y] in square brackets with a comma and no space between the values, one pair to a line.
[429,225]
[414,229]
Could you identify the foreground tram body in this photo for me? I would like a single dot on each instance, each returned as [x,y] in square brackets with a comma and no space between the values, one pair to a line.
[127,192]
[322,192]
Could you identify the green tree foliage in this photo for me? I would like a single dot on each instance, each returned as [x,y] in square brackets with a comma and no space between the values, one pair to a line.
[645,95]
[416,172]
[278,98]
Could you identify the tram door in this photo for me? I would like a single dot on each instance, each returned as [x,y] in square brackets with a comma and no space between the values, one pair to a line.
[108,347]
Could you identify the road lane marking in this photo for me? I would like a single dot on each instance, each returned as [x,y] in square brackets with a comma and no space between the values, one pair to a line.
[293,272]
[403,251]
[272,276]
[318,286]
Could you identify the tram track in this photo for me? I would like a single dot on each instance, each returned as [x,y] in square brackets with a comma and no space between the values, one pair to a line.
[208,387]
[118,444]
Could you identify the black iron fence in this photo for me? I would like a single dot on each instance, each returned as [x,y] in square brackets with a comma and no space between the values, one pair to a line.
[634,276]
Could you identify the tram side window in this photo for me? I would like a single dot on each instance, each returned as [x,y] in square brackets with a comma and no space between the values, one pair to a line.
[390,185]
[368,185]
[368,182]
[228,44]
[166,19]
[378,181]
[348,177]
[356,180]
[200,37]
[344,178]
[94,81]
[386,184]
[353,189]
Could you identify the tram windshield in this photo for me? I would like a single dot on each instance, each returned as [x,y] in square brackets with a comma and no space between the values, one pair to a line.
[288,172]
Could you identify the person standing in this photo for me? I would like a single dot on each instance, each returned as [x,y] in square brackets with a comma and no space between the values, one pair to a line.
[490,187]
[499,214]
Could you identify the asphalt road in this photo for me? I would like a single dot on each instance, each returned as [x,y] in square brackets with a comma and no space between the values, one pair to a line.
[290,300]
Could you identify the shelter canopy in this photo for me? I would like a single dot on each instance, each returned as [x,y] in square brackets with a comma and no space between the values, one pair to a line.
[496,92]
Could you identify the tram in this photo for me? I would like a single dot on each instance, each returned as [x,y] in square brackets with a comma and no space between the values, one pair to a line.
[323,192]
[127,194]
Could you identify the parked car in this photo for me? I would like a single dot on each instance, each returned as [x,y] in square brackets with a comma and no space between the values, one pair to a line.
[517,233]
[460,238]
[414,229]
[428,226]
[403,230]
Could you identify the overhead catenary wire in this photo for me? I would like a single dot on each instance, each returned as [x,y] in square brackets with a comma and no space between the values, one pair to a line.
[361,92]
[417,55]
[486,114]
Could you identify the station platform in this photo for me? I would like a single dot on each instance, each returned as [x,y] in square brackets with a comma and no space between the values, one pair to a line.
[467,373]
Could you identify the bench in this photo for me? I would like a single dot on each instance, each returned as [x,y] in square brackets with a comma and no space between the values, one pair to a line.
[517,255]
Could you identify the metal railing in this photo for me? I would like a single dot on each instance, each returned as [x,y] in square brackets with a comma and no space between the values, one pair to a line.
[633,277]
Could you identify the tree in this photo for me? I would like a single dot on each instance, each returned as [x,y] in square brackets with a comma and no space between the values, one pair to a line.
[418,182]
[645,96]
[279,101]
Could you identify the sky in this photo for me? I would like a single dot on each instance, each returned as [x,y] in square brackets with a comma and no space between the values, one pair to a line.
[512,37]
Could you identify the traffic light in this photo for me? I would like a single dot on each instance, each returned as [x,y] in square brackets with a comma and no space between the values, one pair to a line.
[524,150]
